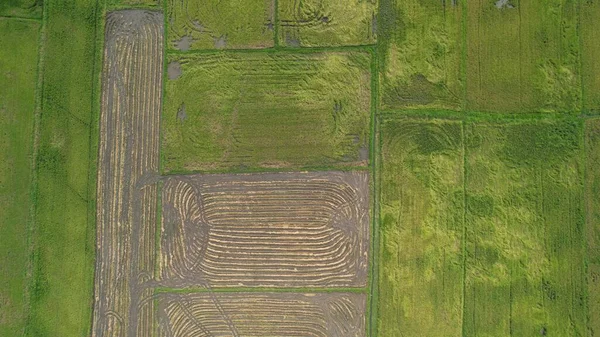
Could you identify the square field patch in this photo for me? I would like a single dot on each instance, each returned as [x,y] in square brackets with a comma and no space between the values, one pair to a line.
[220,24]
[244,111]
[420,55]
[523,56]
[327,22]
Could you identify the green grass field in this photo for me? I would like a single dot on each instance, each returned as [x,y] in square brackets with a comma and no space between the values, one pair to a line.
[420,53]
[523,56]
[421,259]
[266,110]
[317,23]
[590,55]
[216,24]
[592,233]
[523,221]
[18,78]
[64,243]
[524,229]
[21,8]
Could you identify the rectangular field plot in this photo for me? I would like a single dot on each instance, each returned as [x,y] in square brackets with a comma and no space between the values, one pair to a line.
[18,64]
[217,24]
[127,173]
[592,233]
[315,23]
[524,219]
[262,315]
[421,261]
[590,55]
[523,56]
[266,110]
[277,229]
[421,48]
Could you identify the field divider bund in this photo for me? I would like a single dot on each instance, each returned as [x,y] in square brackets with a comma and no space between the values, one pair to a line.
[33,188]
[10,17]
[471,116]
[261,290]
[267,170]
[295,50]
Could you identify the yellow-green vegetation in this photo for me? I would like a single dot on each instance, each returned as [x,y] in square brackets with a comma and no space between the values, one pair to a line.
[21,8]
[590,55]
[523,56]
[62,293]
[420,52]
[421,256]
[217,24]
[266,110]
[524,219]
[592,233]
[18,65]
[132,3]
[310,23]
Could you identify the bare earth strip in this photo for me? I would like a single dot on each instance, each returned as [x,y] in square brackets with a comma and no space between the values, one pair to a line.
[268,230]
[127,173]
[262,315]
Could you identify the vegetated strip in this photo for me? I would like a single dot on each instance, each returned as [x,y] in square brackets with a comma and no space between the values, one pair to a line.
[592,232]
[128,173]
[590,55]
[525,229]
[267,170]
[420,255]
[63,236]
[280,49]
[374,202]
[18,104]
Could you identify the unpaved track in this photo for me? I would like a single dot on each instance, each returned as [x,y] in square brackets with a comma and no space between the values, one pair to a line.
[267,230]
[127,173]
[262,314]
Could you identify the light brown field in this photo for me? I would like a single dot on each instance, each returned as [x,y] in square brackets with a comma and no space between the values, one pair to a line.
[262,314]
[127,173]
[269,230]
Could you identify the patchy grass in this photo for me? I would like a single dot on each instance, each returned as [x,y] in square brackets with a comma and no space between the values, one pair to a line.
[21,8]
[523,56]
[421,253]
[217,24]
[590,55]
[420,52]
[524,218]
[266,110]
[18,70]
[317,23]
[62,293]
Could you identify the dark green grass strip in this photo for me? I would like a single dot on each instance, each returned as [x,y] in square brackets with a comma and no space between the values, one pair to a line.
[260,290]
[464,233]
[474,116]
[62,290]
[276,24]
[373,161]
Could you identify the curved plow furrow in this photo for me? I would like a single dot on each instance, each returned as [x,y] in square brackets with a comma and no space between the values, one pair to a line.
[291,229]
[268,314]
[127,168]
